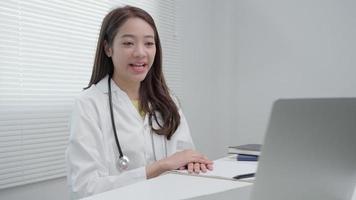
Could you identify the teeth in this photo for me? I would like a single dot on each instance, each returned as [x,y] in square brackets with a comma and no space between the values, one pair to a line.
[138,65]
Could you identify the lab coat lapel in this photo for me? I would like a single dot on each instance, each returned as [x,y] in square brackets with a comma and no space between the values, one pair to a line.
[158,141]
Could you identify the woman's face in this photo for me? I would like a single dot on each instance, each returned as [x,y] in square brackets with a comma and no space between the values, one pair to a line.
[133,51]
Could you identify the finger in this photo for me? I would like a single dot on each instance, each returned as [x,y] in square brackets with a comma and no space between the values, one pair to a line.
[195,156]
[201,160]
[190,167]
[203,168]
[182,168]
[210,167]
[197,168]
[207,161]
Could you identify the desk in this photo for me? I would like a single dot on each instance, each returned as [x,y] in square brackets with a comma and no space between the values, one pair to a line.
[177,186]
[173,186]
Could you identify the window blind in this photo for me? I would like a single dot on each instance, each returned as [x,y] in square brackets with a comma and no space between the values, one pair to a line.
[46,50]
[46,55]
[166,23]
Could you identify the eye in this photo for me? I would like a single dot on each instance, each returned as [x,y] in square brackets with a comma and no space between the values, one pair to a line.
[149,44]
[128,44]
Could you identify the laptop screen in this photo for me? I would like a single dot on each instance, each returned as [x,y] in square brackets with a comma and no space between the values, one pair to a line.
[309,151]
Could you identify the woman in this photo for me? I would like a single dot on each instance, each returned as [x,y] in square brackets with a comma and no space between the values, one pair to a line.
[125,126]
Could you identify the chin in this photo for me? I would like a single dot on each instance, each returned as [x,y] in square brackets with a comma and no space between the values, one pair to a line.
[139,78]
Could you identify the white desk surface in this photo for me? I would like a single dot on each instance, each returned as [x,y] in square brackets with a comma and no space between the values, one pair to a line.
[181,186]
[170,186]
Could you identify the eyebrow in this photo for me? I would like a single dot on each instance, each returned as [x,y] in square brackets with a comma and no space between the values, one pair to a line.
[133,36]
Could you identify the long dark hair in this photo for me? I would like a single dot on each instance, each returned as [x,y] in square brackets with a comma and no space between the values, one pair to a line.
[154,93]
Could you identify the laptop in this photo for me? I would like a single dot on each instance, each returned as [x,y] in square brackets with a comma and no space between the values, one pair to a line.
[309,151]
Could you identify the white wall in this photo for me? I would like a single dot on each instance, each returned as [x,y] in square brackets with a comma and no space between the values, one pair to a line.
[207,73]
[301,48]
[239,56]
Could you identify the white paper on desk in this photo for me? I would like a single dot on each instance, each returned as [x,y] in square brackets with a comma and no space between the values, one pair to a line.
[226,168]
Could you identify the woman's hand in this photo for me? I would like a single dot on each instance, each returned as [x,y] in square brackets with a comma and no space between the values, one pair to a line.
[191,159]
[185,157]
[197,167]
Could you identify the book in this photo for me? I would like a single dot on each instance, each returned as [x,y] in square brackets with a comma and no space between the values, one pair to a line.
[247,149]
[244,157]
[225,168]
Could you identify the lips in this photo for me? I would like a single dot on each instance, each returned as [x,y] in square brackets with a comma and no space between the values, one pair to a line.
[138,67]
[137,64]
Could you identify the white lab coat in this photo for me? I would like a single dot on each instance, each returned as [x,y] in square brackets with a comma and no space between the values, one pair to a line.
[92,151]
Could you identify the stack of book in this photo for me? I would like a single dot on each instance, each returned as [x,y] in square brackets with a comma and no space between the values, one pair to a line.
[246,152]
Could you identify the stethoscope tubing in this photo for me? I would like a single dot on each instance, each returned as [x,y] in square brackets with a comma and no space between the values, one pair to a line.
[123,161]
[121,155]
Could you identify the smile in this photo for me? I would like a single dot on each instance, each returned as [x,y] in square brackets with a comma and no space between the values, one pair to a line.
[138,67]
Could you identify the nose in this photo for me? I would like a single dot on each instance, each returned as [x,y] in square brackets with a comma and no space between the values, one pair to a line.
[139,51]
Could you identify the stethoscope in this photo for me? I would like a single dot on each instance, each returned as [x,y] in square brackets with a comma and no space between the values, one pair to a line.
[123,161]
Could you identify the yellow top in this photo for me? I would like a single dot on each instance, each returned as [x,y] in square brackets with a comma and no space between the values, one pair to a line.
[135,103]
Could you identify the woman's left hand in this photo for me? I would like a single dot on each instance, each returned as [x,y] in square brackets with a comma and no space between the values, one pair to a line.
[197,167]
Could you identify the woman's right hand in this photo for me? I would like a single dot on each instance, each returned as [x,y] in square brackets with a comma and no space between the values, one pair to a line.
[178,160]
[183,158]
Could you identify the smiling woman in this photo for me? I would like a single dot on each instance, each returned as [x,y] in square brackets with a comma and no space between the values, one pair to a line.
[132,53]
[113,142]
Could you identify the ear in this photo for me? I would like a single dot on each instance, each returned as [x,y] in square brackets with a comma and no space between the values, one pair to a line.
[108,49]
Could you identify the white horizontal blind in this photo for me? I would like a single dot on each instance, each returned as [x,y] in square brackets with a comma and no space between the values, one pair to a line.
[46,55]
[166,22]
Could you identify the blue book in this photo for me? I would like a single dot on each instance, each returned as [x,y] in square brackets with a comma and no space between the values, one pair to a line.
[244,157]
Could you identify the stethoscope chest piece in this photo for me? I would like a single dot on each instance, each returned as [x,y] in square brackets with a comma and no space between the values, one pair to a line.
[122,163]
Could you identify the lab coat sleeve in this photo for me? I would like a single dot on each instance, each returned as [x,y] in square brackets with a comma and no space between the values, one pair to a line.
[87,171]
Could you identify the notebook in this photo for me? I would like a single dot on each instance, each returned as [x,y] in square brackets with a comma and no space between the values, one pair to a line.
[226,168]
[309,151]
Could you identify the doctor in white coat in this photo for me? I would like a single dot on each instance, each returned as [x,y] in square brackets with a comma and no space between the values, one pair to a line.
[147,133]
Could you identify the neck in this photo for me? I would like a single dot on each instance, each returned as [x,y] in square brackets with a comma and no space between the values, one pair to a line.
[130,88]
